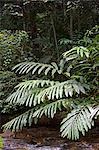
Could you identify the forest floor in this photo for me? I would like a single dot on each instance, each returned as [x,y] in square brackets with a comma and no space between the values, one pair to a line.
[45,138]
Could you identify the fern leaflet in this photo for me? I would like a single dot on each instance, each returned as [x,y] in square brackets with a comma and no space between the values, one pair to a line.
[33,67]
[20,121]
[50,109]
[77,121]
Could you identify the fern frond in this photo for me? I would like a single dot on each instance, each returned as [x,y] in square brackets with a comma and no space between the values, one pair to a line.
[35,84]
[20,121]
[95,112]
[51,109]
[33,67]
[32,93]
[60,90]
[77,121]
[82,66]
[27,97]
[75,52]
[27,92]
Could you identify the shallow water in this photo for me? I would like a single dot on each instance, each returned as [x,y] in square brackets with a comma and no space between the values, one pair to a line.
[17,144]
[44,138]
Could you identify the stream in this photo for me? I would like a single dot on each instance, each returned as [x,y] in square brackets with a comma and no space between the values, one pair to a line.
[43,138]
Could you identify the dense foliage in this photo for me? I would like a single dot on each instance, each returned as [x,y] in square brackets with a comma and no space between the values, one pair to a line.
[12,48]
[12,51]
[76,92]
[55,61]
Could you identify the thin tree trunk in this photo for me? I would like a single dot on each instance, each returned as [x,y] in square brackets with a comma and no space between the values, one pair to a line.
[55,38]
[71,24]
[78,21]
[23,11]
[64,10]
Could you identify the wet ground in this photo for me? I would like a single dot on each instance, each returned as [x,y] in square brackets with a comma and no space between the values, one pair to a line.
[43,138]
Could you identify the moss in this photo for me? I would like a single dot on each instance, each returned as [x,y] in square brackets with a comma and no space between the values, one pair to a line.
[1,143]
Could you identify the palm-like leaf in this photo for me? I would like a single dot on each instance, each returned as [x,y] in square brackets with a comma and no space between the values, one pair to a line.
[27,97]
[51,109]
[95,112]
[51,96]
[20,121]
[33,67]
[60,90]
[32,93]
[28,91]
[76,52]
[77,121]
[34,84]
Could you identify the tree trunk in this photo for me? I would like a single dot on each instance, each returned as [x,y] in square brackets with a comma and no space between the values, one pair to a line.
[71,24]
[55,38]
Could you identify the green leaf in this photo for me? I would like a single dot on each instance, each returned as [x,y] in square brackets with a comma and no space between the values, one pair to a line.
[77,121]
[50,109]
[20,121]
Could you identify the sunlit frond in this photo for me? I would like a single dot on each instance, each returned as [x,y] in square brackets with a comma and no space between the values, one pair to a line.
[30,93]
[95,112]
[34,84]
[58,91]
[76,52]
[20,121]
[76,122]
[27,92]
[33,67]
[51,109]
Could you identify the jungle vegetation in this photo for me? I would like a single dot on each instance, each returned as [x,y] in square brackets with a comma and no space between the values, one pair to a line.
[49,59]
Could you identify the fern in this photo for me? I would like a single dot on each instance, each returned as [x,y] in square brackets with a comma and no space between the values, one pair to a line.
[76,52]
[20,121]
[47,97]
[27,92]
[60,90]
[51,109]
[95,112]
[33,67]
[77,121]
[30,94]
